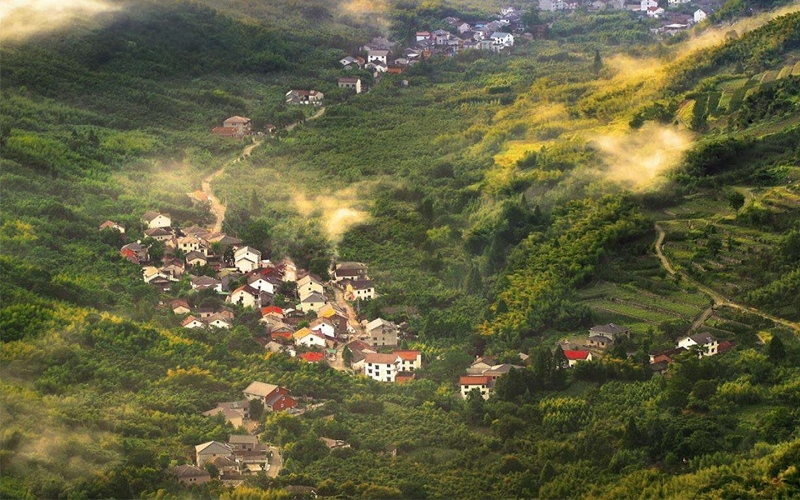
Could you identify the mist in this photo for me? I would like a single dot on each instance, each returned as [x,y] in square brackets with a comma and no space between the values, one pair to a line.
[337,212]
[22,19]
[639,158]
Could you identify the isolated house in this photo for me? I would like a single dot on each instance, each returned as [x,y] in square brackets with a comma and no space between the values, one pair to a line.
[352,83]
[314,97]
[699,16]
[111,225]
[241,124]
[481,383]
[574,357]
[610,331]
[705,342]
[274,398]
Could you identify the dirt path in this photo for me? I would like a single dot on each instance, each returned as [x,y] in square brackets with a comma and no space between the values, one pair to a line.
[718,300]
[217,208]
[338,363]
[275,463]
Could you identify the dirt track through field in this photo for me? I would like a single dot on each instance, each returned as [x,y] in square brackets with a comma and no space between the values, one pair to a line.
[718,300]
[217,207]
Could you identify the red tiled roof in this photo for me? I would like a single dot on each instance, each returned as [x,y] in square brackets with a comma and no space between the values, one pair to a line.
[312,357]
[271,309]
[474,380]
[576,355]
[407,355]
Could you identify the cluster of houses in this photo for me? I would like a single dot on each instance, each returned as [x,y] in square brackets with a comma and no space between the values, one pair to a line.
[384,56]
[397,366]
[703,344]
[482,374]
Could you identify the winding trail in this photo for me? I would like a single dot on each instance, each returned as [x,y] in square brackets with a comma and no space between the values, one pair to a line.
[217,208]
[718,300]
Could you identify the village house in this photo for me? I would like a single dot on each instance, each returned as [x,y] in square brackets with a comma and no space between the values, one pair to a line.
[381,333]
[378,56]
[350,271]
[706,344]
[312,302]
[219,321]
[111,225]
[245,296]
[155,219]
[314,97]
[408,361]
[159,234]
[498,371]
[699,16]
[208,452]
[380,367]
[307,338]
[358,289]
[610,331]
[274,398]
[352,83]
[504,39]
[481,383]
[196,259]
[598,342]
[358,353]
[574,357]
[188,244]
[323,326]
[189,474]
[235,412]
[192,322]
[263,282]
[241,124]
[136,252]
[246,259]
[180,306]
[205,283]
[309,284]
[481,364]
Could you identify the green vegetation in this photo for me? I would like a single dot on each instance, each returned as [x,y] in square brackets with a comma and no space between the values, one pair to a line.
[487,202]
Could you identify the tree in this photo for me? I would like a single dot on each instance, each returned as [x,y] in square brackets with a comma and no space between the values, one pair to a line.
[256,409]
[775,351]
[597,64]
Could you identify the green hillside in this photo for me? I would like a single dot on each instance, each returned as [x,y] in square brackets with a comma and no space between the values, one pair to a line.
[503,203]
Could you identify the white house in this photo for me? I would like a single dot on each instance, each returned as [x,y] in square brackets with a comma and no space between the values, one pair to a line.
[575,357]
[408,361]
[483,384]
[205,283]
[707,344]
[155,219]
[219,321]
[112,225]
[247,259]
[308,338]
[644,5]
[380,367]
[246,296]
[504,39]
[350,82]
[699,16]
[192,322]
[324,326]
[159,234]
[359,289]
[262,283]
[381,56]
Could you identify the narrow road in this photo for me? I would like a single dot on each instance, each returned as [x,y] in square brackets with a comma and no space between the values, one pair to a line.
[275,463]
[217,208]
[718,300]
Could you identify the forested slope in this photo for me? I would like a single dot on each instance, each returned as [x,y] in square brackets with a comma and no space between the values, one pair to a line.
[497,216]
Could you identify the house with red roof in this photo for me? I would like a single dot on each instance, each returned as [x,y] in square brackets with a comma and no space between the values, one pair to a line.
[481,383]
[574,357]
[408,361]
[312,357]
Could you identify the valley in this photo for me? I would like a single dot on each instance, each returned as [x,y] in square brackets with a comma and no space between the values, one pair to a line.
[545,250]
